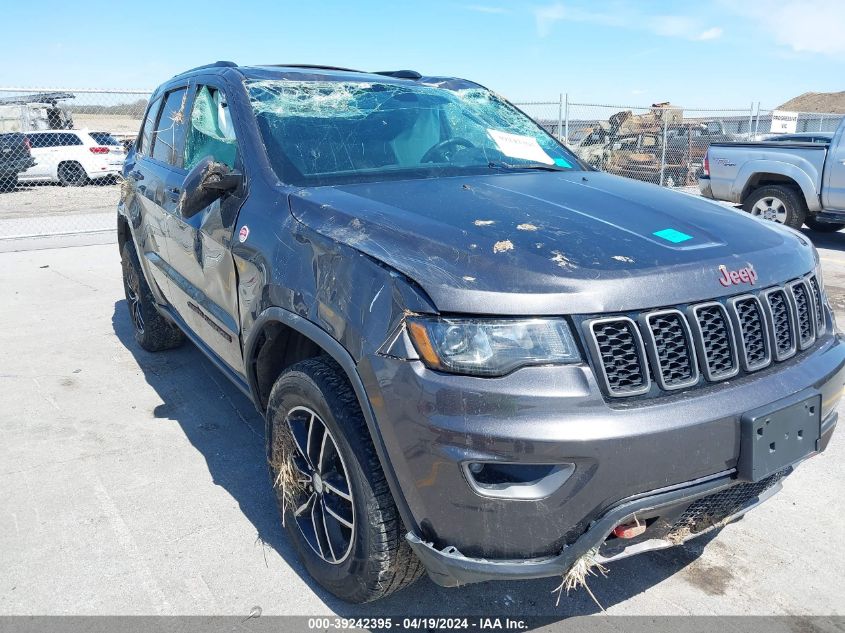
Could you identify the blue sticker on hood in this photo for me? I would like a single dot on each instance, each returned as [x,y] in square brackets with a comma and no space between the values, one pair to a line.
[671,235]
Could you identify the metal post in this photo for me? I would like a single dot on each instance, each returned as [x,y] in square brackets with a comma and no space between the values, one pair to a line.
[750,119]
[560,119]
[821,119]
[663,152]
[756,123]
[566,112]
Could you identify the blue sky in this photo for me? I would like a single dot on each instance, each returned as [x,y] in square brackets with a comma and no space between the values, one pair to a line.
[709,53]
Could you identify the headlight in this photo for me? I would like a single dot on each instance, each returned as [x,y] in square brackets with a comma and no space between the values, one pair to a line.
[491,347]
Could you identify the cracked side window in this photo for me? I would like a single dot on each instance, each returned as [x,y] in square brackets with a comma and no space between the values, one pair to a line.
[169,128]
[210,131]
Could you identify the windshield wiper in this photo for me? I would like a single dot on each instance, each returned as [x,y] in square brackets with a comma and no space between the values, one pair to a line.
[497,164]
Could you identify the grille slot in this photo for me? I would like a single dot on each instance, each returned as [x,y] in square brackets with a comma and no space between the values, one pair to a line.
[670,349]
[618,348]
[709,511]
[751,331]
[715,341]
[781,323]
[815,290]
[804,313]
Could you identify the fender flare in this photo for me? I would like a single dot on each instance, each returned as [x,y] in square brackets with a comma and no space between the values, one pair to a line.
[797,174]
[339,353]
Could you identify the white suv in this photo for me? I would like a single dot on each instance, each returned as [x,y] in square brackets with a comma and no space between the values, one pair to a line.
[73,157]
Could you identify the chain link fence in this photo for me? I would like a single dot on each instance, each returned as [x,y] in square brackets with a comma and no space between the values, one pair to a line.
[61,150]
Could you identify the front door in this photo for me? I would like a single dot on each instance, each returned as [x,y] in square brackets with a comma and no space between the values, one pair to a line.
[203,277]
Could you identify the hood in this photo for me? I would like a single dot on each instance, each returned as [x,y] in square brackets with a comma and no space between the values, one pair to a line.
[539,243]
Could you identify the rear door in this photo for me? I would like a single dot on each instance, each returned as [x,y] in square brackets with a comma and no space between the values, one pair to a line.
[204,279]
[154,175]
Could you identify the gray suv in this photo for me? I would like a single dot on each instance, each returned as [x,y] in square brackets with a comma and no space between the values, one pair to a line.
[476,356]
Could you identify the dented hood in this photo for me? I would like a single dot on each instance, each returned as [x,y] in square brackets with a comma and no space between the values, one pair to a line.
[535,243]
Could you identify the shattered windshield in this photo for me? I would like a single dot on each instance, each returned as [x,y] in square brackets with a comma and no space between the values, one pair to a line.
[329,132]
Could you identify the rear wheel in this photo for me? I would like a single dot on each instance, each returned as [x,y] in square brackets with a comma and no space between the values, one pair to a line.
[778,204]
[330,488]
[823,227]
[152,331]
[72,174]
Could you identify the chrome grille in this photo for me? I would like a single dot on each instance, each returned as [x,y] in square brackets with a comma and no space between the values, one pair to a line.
[620,349]
[782,323]
[752,333]
[817,303]
[704,342]
[672,352]
[804,313]
[715,341]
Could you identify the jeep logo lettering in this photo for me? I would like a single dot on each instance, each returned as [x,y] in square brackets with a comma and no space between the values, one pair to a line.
[745,275]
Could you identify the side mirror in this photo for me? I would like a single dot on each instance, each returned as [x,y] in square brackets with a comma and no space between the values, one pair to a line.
[206,182]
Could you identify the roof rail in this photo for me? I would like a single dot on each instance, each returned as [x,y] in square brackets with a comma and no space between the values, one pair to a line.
[315,66]
[400,74]
[217,64]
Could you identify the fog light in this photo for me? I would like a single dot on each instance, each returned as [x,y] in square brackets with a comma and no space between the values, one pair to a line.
[516,481]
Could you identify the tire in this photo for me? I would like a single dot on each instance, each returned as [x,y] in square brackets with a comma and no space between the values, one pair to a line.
[8,183]
[152,331]
[777,203]
[823,227]
[72,174]
[370,558]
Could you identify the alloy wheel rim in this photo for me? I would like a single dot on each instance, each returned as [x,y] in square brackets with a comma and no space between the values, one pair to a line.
[770,208]
[324,511]
[133,297]
[70,173]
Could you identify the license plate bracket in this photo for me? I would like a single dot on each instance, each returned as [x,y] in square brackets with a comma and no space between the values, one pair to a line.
[777,435]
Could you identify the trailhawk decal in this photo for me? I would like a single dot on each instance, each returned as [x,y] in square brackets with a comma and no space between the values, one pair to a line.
[745,275]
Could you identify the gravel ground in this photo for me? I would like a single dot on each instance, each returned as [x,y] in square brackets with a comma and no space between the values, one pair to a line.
[135,483]
[38,201]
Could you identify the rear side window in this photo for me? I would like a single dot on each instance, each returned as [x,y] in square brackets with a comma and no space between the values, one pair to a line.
[64,139]
[40,141]
[149,125]
[104,138]
[170,128]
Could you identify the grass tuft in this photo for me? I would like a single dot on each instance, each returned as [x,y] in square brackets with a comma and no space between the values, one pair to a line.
[577,575]
[288,481]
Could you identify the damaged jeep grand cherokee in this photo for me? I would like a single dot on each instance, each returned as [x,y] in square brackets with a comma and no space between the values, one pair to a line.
[476,357]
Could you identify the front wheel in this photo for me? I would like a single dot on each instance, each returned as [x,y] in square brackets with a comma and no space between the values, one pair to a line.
[778,204]
[332,493]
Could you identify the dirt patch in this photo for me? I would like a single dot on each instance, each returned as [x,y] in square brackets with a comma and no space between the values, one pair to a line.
[711,579]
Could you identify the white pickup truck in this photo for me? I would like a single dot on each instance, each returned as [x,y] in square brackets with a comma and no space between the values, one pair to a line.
[789,183]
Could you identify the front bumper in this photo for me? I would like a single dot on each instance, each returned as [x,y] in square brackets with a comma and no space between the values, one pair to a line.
[628,457]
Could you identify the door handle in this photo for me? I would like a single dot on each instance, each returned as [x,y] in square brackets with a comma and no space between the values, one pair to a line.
[136,175]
